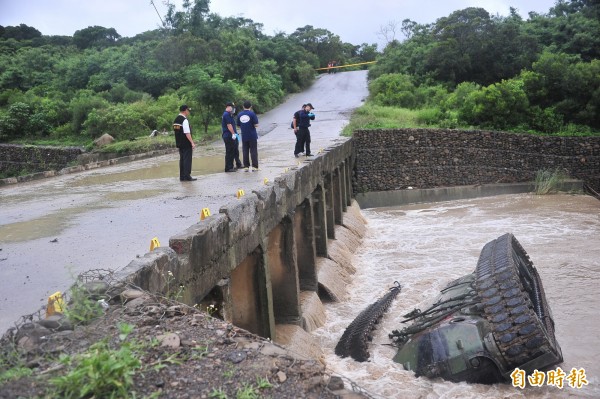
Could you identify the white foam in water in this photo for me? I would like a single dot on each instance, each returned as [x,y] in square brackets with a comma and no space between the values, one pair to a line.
[428,245]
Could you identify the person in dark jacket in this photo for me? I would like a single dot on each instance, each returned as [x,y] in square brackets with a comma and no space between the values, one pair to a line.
[248,122]
[230,139]
[185,143]
[301,123]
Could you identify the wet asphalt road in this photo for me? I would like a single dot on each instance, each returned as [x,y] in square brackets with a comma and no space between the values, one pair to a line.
[52,230]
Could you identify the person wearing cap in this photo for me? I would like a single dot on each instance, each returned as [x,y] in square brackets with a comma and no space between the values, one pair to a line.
[184,142]
[230,139]
[248,122]
[301,123]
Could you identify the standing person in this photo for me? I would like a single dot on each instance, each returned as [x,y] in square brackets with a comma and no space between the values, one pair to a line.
[301,123]
[185,143]
[230,138]
[248,122]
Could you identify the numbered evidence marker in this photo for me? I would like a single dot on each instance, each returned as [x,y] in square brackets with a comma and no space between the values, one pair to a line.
[204,213]
[56,304]
[154,243]
[266,181]
[240,193]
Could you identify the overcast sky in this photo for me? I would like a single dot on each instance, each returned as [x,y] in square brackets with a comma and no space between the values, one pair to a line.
[354,21]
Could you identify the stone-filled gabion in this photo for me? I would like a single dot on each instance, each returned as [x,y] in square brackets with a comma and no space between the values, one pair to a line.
[427,158]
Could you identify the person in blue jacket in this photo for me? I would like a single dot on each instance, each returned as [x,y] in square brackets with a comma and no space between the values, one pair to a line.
[248,122]
[230,139]
[301,123]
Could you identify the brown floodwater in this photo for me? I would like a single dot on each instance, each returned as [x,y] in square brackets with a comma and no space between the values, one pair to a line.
[425,246]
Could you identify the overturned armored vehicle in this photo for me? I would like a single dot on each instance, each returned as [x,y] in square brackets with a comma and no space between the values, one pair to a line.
[481,327]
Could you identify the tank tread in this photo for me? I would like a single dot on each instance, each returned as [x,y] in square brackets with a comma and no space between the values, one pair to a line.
[354,340]
[513,302]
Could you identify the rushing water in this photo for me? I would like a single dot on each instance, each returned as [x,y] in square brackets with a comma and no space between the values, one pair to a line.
[426,246]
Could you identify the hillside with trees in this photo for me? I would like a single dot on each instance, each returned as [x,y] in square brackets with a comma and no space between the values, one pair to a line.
[74,89]
[469,69]
[505,73]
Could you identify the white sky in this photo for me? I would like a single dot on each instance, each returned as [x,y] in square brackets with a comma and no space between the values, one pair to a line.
[354,21]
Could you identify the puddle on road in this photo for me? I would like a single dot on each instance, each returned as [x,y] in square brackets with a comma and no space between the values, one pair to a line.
[46,226]
[53,224]
[205,165]
[132,195]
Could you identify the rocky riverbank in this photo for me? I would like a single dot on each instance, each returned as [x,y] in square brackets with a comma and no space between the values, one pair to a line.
[164,349]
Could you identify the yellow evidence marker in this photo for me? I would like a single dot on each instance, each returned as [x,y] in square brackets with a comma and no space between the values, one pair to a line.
[154,243]
[205,213]
[56,304]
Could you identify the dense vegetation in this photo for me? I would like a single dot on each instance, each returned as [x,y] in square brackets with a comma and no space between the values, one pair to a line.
[469,69]
[504,73]
[73,89]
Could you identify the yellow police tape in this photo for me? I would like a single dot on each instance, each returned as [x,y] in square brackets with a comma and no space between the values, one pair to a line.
[345,66]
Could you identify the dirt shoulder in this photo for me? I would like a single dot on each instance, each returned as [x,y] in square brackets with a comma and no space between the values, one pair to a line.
[182,351]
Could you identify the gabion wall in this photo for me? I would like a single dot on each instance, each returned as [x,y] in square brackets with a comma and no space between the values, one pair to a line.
[15,158]
[426,158]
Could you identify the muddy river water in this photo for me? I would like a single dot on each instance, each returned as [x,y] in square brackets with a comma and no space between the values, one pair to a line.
[426,246]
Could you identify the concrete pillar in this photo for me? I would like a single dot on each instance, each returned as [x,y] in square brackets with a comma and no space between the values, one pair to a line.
[337,197]
[250,294]
[343,182]
[305,246]
[329,205]
[281,263]
[319,221]
[349,171]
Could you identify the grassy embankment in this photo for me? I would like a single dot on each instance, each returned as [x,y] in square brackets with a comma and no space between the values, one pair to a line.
[371,116]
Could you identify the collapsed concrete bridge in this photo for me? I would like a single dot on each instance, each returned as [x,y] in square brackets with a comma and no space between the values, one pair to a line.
[266,254]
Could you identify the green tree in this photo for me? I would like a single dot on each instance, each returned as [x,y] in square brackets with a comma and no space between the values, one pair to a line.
[265,86]
[210,93]
[393,90]
[462,47]
[21,32]
[95,36]
[502,105]
[408,57]
[326,45]
[191,19]
[122,121]
[82,104]
[11,121]
[239,56]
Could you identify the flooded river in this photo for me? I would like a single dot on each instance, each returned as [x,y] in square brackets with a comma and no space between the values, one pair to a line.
[426,246]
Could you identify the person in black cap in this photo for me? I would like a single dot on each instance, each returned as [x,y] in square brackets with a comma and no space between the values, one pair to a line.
[232,152]
[301,123]
[185,143]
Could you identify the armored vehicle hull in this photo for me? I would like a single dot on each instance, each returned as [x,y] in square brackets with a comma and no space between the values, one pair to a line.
[485,324]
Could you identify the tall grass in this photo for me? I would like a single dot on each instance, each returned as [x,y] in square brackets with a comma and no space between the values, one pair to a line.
[548,181]
[371,116]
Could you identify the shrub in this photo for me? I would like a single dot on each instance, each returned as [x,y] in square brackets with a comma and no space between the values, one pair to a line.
[393,90]
[548,181]
[500,105]
[429,116]
[99,372]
